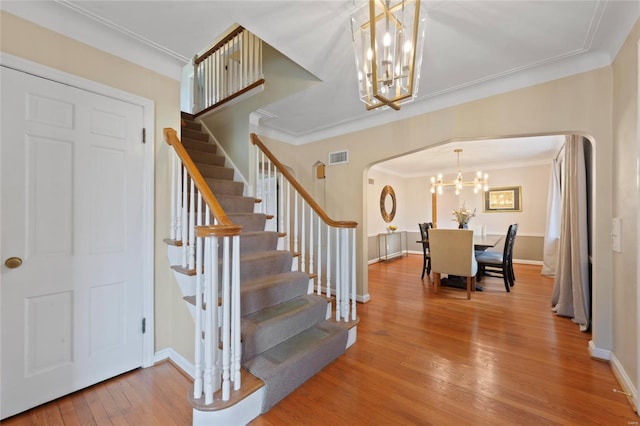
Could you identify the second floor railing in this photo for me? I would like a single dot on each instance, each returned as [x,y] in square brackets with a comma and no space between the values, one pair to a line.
[324,248]
[232,67]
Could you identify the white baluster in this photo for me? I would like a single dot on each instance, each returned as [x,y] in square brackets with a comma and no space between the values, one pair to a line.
[303,233]
[185,228]
[329,262]
[194,107]
[311,251]
[344,269]
[226,322]
[178,199]
[209,330]
[287,222]
[197,383]
[236,312]
[353,275]
[172,225]
[280,209]
[192,229]
[320,251]
[338,283]
[295,230]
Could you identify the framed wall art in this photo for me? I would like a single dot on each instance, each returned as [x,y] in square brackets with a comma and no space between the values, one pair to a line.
[506,199]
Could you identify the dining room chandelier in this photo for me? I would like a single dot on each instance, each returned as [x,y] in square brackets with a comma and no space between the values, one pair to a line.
[388,38]
[479,183]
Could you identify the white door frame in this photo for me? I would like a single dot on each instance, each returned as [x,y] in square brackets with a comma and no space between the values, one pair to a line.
[148,200]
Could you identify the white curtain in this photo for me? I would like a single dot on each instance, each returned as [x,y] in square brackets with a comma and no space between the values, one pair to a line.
[571,291]
[552,234]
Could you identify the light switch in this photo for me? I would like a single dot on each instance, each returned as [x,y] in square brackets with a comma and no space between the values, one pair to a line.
[615,234]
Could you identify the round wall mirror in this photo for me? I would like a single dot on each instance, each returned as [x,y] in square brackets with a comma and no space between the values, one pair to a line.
[388,203]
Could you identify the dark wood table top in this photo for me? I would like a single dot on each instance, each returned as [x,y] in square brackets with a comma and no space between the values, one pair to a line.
[480,242]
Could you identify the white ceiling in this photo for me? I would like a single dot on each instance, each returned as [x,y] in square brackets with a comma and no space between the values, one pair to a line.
[484,155]
[473,48]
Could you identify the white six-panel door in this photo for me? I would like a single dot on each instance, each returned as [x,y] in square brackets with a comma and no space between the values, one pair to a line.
[71,210]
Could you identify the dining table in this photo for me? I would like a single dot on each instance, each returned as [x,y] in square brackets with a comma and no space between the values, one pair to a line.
[480,243]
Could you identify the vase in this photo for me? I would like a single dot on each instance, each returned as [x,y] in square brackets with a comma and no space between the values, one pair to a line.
[463,226]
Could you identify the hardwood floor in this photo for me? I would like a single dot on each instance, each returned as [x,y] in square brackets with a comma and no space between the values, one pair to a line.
[421,358]
[424,358]
[150,396]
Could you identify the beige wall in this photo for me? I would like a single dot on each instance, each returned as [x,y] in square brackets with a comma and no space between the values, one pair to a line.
[34,43]
[580,103]
[414,205]
[625,204]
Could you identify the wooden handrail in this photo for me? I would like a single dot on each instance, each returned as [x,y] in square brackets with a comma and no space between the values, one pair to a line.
[218,45]
[237,94]
[225,227]
[305,195]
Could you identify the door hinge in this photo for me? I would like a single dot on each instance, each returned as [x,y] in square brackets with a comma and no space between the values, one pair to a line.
[144,325]
[144,135]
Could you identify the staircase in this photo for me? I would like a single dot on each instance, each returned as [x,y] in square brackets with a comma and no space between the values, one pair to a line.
[286,333]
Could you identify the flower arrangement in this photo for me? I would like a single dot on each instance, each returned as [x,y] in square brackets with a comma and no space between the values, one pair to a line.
[463,216]
[392,228]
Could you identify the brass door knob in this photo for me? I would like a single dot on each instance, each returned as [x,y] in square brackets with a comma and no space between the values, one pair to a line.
[13,262]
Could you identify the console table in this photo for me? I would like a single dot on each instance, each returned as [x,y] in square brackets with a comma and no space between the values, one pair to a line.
[390,245]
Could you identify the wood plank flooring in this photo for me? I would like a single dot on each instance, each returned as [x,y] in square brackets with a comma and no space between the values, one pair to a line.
[421,358]
[438,359]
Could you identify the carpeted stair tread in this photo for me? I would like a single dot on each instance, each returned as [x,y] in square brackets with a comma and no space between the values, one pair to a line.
[289,364]
[249,221]
[199,145]
[258,241]
[271,290]
[236,204]
[190,124]
[215,172]
[268,327]
[225,187]
[207,158]
[194,134]
[256,265]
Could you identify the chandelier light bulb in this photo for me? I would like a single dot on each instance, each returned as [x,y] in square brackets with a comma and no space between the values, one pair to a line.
[407,46]
[386,40]
[369,54]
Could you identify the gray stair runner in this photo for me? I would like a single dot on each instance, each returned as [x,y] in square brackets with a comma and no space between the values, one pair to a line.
[285,337]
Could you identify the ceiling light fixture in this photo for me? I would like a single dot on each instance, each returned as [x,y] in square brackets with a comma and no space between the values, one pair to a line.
[479,183]
[388,37]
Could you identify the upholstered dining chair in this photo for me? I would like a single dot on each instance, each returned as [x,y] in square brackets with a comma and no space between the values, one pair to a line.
[452,253]
[495,264]
[424,236]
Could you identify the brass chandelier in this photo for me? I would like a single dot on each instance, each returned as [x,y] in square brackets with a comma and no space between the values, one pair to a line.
[388,38]
[479,183]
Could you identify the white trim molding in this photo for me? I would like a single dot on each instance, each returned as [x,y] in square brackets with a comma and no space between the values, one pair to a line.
[599,353]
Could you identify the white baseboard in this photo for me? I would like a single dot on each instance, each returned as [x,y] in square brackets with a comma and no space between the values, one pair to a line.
[598,353]
[528,262]
[625,381]
[364,298]
[177,359]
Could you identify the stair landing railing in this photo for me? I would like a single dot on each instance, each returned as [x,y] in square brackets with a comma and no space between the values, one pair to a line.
[231,68]
[202,229]
[324,248]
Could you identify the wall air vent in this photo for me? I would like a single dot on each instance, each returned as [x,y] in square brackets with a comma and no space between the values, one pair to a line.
[338,157]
